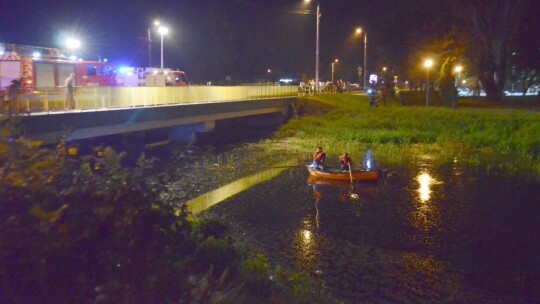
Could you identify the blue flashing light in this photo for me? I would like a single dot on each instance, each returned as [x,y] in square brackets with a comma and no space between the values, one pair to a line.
[36,55]
[126,70]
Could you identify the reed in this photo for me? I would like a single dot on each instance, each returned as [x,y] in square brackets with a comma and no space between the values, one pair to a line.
[398,133]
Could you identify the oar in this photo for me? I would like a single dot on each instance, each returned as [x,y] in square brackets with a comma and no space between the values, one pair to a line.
[350,174]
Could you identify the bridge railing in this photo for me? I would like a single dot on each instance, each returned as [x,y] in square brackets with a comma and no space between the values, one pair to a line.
[97,98]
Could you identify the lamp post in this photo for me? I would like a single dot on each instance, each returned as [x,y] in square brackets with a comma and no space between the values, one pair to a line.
[335,61]
[428,63]
[162,31]
[318,16]
[458,69]
[72,44]
[358,32]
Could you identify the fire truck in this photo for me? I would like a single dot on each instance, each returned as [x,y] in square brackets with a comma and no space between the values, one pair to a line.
[150,77]
[47,68]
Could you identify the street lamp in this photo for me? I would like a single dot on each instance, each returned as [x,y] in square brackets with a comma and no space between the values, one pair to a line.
[318,16]
[428,63]
[72,43]
[162,31]
[358,32]
[458,69]
[335,61]
[149,39]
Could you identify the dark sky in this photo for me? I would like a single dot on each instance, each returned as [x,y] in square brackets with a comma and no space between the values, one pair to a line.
[242,38]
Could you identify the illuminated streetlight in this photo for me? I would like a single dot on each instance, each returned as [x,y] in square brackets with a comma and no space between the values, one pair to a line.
[458,69]
[318,17]
[335,61]
[428,63]
[358,32]
[162,31]
[72,43]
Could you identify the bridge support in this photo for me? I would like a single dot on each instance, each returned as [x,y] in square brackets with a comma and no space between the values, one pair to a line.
[187,133]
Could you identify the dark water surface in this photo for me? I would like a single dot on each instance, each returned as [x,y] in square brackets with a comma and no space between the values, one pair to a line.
[428,235]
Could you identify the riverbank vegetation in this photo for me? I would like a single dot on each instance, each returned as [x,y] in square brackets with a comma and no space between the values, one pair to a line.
[87,230]
[396,133]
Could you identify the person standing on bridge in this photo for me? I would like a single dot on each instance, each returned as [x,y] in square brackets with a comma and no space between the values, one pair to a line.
[69,87]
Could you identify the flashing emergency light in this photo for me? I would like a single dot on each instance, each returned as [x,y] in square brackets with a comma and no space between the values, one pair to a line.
[36,55]
[73,57]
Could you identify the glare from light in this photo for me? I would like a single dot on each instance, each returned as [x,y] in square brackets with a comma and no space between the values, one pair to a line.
[79,59]
[384,69]
[156,23]
[307,235]
[72,43]
[73,57]
[123,70]
[286,80]
[36,54]
[163,30]
[358,30]
[425,180]
[269,71]
[428,63]
[458,69]
[336,60]
[464,81]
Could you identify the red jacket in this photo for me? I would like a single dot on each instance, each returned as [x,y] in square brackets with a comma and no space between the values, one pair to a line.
[319,157]
[345,159]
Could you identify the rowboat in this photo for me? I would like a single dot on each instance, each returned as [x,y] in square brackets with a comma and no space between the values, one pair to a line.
[334,174]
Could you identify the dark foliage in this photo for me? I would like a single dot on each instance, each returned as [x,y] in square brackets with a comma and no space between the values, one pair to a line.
[90,231]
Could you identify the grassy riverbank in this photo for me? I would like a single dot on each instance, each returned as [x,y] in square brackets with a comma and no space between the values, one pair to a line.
[341,123]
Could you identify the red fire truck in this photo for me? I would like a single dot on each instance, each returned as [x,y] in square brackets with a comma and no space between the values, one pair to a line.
[49,70]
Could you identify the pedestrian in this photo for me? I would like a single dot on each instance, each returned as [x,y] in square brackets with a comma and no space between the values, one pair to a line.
[318,159]
[69,87]
[13,94]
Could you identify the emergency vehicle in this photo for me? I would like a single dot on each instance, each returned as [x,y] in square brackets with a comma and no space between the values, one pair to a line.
[150,77]
[47,68]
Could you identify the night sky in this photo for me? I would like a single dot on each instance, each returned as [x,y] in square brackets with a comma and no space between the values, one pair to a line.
[240,38]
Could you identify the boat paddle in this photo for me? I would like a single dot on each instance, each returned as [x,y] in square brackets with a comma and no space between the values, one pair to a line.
[350,174]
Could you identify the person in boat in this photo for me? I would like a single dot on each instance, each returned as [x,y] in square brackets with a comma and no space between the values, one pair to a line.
[345,162]
[318,159]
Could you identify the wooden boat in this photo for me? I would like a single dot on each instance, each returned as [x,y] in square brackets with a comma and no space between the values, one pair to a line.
[357,175]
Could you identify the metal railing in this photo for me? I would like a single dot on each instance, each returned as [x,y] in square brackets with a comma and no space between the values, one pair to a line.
[103,98]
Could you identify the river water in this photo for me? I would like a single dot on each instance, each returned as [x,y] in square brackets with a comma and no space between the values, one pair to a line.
[428,234]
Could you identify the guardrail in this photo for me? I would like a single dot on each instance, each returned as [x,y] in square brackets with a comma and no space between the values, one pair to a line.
[102,98]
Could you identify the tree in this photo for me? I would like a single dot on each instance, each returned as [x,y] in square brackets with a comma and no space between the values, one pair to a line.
[446,83]
[492,24]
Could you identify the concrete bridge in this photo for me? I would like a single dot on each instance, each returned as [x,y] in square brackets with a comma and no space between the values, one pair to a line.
[183,111]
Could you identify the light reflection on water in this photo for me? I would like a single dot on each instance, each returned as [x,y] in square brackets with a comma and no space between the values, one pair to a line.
[425,180]
[214,197]
[416,237]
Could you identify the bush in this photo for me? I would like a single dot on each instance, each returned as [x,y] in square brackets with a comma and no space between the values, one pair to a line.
[91,231]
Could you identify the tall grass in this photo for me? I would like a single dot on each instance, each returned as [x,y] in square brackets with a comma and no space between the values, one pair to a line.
[350,125]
